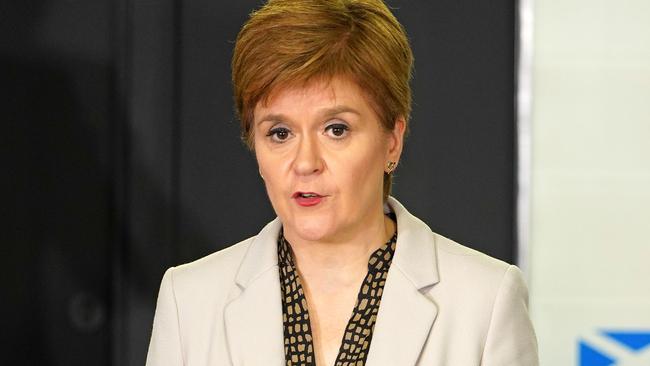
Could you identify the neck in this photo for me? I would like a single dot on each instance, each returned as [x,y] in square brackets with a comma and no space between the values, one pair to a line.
[344,259]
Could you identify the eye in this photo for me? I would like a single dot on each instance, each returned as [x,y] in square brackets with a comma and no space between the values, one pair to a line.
[337,130]
[279,134]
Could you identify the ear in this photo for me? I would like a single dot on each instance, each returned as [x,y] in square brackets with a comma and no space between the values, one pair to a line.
[396,140]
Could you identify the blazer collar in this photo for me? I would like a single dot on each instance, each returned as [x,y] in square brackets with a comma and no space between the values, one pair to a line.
[261,255]
[253,316]
[415,253]
[253,313]
[406,313]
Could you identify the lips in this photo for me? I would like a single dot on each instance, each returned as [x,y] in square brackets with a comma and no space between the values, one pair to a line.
[307,199]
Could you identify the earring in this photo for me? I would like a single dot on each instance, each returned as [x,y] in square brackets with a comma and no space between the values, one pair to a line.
[261,174]
[391,166]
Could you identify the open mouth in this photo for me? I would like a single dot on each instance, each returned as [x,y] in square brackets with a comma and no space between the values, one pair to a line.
[306,195]
[307,199]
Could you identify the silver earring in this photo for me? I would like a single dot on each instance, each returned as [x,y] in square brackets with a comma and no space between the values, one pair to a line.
[391,166]
[261,174]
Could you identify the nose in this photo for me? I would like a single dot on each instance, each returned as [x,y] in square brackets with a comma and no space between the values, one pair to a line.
[308,159]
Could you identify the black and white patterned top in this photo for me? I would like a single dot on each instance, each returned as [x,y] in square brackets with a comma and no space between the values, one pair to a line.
[298,346]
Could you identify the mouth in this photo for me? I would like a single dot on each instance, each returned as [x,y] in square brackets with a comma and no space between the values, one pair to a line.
[307,198]
[305,195]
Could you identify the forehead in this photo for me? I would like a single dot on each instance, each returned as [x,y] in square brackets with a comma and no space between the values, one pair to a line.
[320,93]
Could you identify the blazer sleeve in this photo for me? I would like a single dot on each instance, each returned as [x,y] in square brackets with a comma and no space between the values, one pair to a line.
[511,339]
[165,345]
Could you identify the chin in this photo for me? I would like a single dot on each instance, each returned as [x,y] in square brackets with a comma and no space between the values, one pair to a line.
[312,229]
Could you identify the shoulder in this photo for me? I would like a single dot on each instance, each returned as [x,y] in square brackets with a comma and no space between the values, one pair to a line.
[188,304]
[466,274]
[489,296]
[460,271]
[208,276]
[464,261]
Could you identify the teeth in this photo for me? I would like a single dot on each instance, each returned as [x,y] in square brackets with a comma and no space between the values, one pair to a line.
[307,195]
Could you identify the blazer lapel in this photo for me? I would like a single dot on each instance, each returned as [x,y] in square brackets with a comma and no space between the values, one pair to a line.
[406,313]
[253,316]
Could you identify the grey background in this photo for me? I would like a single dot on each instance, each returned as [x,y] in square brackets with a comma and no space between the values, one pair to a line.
[123,156]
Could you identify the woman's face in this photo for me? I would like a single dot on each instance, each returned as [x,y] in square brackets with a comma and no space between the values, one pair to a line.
[322,153]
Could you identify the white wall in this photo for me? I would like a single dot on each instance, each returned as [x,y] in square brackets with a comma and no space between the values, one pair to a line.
[589,259]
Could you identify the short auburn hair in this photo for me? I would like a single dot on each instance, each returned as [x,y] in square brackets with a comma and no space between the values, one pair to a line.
[288,43]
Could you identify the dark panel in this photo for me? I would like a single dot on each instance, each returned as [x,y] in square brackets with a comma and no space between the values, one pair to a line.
[223,198]
[457,170]
[56,78]
[147,188]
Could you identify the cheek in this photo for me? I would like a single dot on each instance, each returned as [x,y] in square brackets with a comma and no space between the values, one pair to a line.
[362,169]
[272,167]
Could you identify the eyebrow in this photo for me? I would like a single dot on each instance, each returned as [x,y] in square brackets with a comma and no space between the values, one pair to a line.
[326,112]
[339,109]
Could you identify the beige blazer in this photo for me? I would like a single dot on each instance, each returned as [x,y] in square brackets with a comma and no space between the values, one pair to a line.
[443,304]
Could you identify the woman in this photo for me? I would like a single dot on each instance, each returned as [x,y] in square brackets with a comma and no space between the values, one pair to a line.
[345,275]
